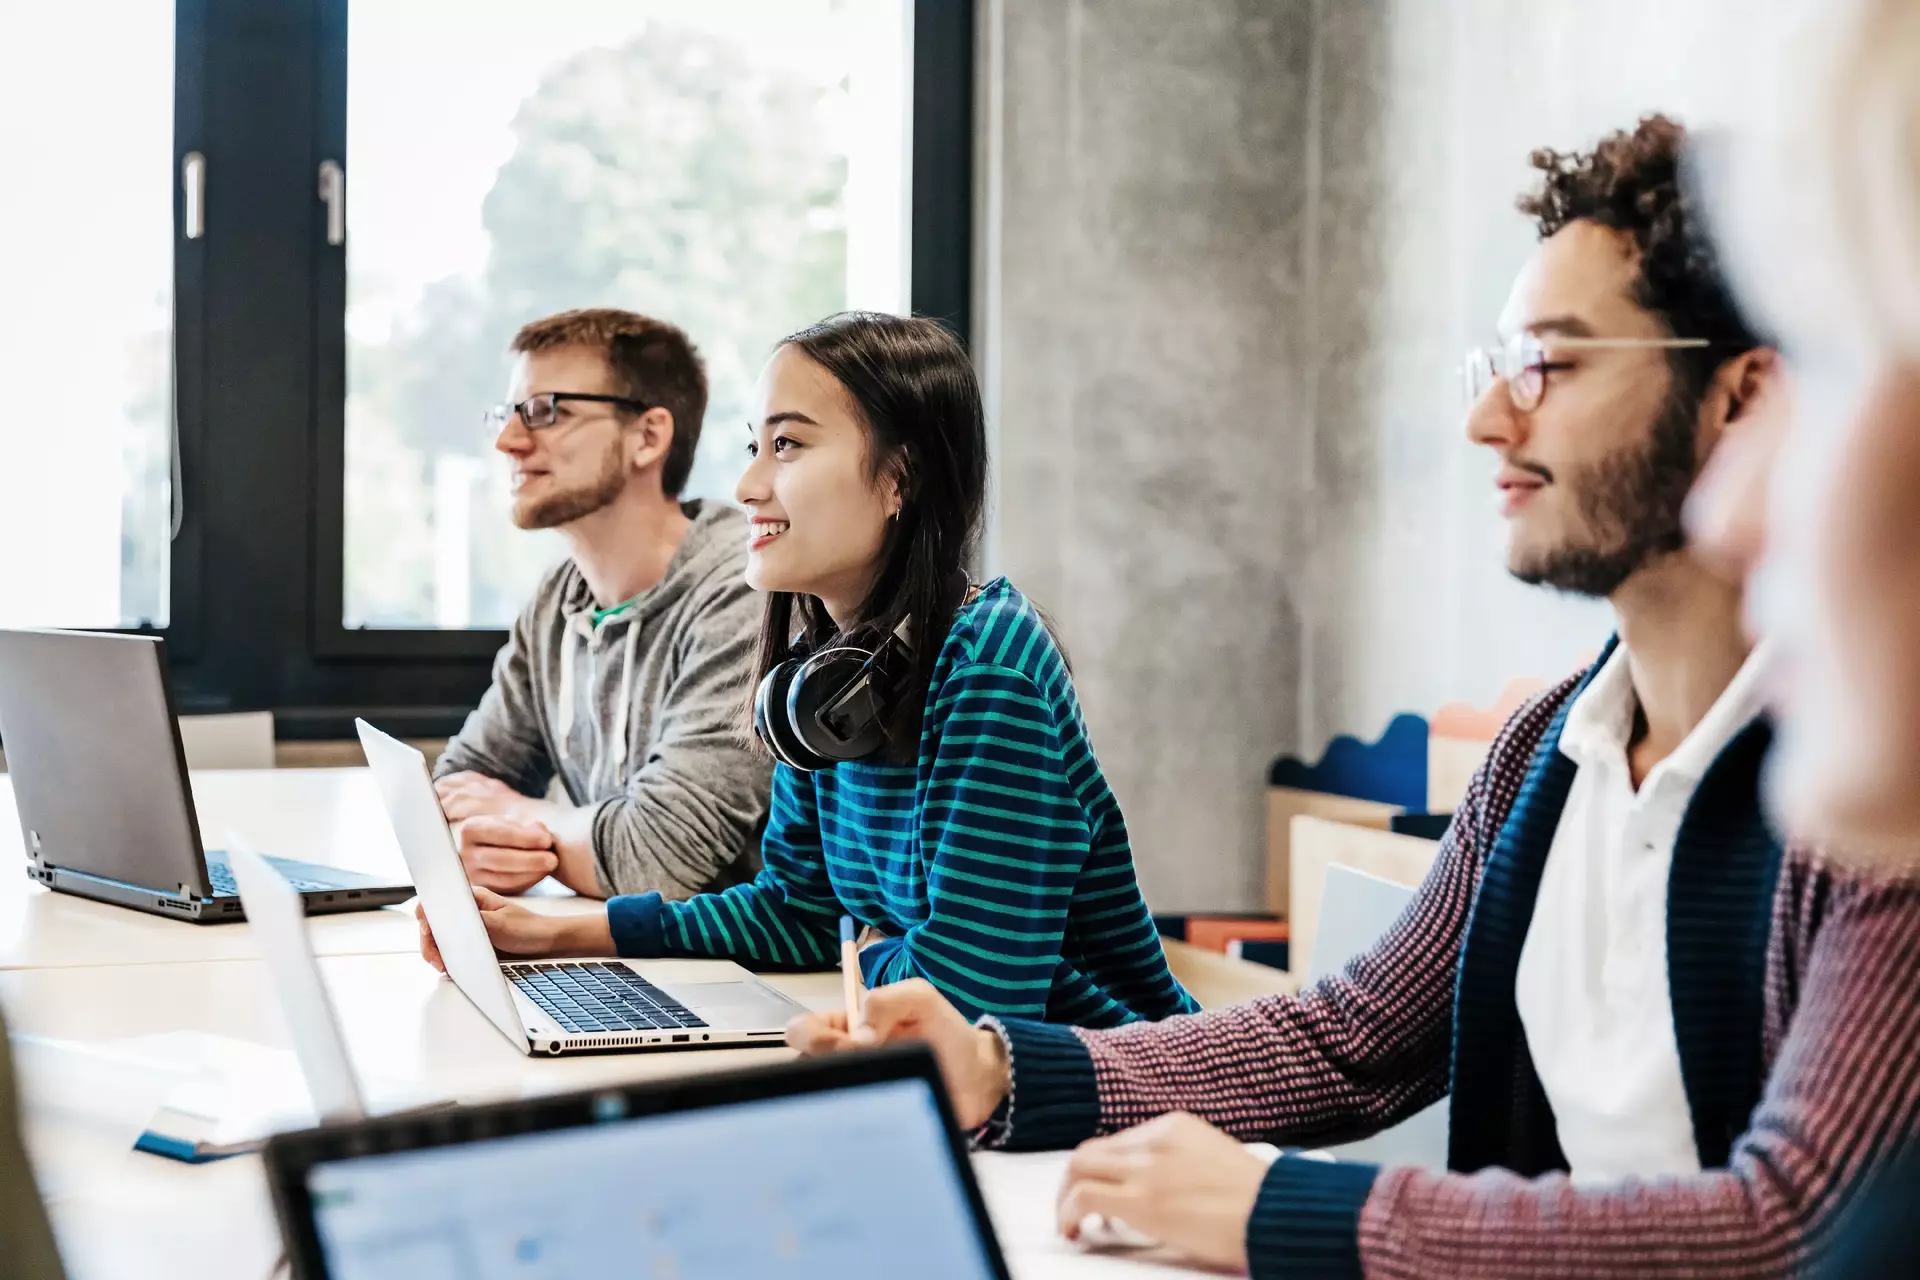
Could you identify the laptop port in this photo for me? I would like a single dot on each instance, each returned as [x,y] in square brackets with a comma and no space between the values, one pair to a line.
[174,904]
[683,1039]
[353,893]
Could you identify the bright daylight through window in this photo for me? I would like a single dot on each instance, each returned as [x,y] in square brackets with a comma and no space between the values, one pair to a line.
[738,168]
[86,271]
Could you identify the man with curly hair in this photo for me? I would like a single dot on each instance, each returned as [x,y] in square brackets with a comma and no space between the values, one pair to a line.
[1670,1044]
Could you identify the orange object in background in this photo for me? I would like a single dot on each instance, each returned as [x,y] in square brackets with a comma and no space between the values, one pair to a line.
[1213,933]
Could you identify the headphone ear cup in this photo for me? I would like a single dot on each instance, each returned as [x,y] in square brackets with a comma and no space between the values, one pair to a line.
[820,679]
[770,720]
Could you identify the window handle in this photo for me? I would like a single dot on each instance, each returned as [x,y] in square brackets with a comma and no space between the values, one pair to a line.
[333,190]
[193,185]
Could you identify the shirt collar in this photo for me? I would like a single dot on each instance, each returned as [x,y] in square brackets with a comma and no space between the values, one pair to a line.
[1600,721]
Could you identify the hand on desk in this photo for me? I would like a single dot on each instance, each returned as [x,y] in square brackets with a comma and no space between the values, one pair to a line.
[507,855]
[973,1060]
[510,842]
[473,795]
[503,842]
[521,933]
[1177,1179]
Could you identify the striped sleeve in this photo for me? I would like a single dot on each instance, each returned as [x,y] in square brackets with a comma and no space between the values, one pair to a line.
[787,917]
[1004,839]
[1843,1096]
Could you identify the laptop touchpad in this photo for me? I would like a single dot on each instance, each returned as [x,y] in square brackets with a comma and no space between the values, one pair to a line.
[739,1004]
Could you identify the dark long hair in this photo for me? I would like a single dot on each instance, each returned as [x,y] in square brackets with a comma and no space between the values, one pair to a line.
[920,404]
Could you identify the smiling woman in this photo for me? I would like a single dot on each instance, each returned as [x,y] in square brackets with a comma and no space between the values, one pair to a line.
[820,507]
[935,779]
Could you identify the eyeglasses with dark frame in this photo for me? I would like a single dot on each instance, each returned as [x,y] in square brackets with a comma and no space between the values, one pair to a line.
[543,410]
[1523,362]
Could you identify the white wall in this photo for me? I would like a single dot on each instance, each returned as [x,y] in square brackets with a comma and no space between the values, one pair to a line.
[1231,251]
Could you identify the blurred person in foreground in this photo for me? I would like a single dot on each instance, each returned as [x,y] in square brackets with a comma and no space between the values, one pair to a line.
[1674,1043]
[1816,200]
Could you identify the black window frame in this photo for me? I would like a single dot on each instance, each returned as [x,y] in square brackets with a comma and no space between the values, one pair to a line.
[256,573]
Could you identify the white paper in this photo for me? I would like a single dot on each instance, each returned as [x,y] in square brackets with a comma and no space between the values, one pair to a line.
[84,1105]
[1021,1191]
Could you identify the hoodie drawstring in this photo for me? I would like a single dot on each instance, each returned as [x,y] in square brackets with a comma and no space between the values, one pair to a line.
[626,697]
[578,624]
[581,626]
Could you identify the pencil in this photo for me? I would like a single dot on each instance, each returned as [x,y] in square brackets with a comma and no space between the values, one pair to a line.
[850,972]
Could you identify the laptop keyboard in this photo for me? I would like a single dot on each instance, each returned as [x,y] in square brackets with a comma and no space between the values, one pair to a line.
[220,876]
[593,996]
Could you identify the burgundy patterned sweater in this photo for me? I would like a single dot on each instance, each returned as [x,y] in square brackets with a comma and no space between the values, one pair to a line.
[1796,1005]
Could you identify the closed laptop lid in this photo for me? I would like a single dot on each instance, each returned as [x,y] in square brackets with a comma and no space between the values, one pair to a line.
[94,754]
[812,1170]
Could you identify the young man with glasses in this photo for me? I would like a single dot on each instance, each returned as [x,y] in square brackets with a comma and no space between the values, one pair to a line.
[625,674]
[1670,1043]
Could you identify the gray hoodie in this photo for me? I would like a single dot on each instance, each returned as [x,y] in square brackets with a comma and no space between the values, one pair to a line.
[639,713]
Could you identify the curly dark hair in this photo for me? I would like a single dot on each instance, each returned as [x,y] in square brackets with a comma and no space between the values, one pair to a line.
[1632,183]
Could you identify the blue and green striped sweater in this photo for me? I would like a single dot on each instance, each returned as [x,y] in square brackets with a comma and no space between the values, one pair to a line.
[997,863]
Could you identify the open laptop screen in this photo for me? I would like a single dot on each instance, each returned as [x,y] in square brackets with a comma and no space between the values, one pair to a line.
[823,1183]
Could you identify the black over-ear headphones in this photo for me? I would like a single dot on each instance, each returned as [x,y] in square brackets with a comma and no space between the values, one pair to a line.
[820,709]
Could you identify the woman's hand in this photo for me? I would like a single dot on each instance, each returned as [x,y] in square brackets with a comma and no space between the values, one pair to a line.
[519,932]
[1177,1179]
[973,1060]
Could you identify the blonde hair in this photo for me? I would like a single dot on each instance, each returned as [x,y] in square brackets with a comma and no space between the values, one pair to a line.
[1819,205]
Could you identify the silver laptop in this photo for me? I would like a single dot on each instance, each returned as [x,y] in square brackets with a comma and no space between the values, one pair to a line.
[100,780]
[561,1006]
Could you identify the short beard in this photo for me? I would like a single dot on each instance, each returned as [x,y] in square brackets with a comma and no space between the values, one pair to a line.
[568,505]
[1630,504]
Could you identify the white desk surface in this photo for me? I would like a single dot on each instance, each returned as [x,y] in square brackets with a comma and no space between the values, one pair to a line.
[328,816]
[81,971]
[137,1215]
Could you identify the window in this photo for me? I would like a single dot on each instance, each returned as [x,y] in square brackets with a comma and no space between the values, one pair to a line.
[86,270]
[738,169]
[263,442]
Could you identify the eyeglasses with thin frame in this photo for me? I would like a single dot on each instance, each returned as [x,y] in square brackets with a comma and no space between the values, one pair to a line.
[1523,362]
[543,410]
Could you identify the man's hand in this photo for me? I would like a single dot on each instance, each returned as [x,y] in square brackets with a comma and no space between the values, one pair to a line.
[972,1059]
[473,795]
[1177,1179]
[520,932]
[507,855]
[503,864]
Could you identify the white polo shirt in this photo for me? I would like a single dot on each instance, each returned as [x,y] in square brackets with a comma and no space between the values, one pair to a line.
[1592,984]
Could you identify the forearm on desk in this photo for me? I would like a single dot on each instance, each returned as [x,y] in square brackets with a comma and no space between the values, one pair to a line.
[763,923]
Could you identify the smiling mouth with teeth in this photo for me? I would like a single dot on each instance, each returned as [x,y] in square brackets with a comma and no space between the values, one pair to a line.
[761,532]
